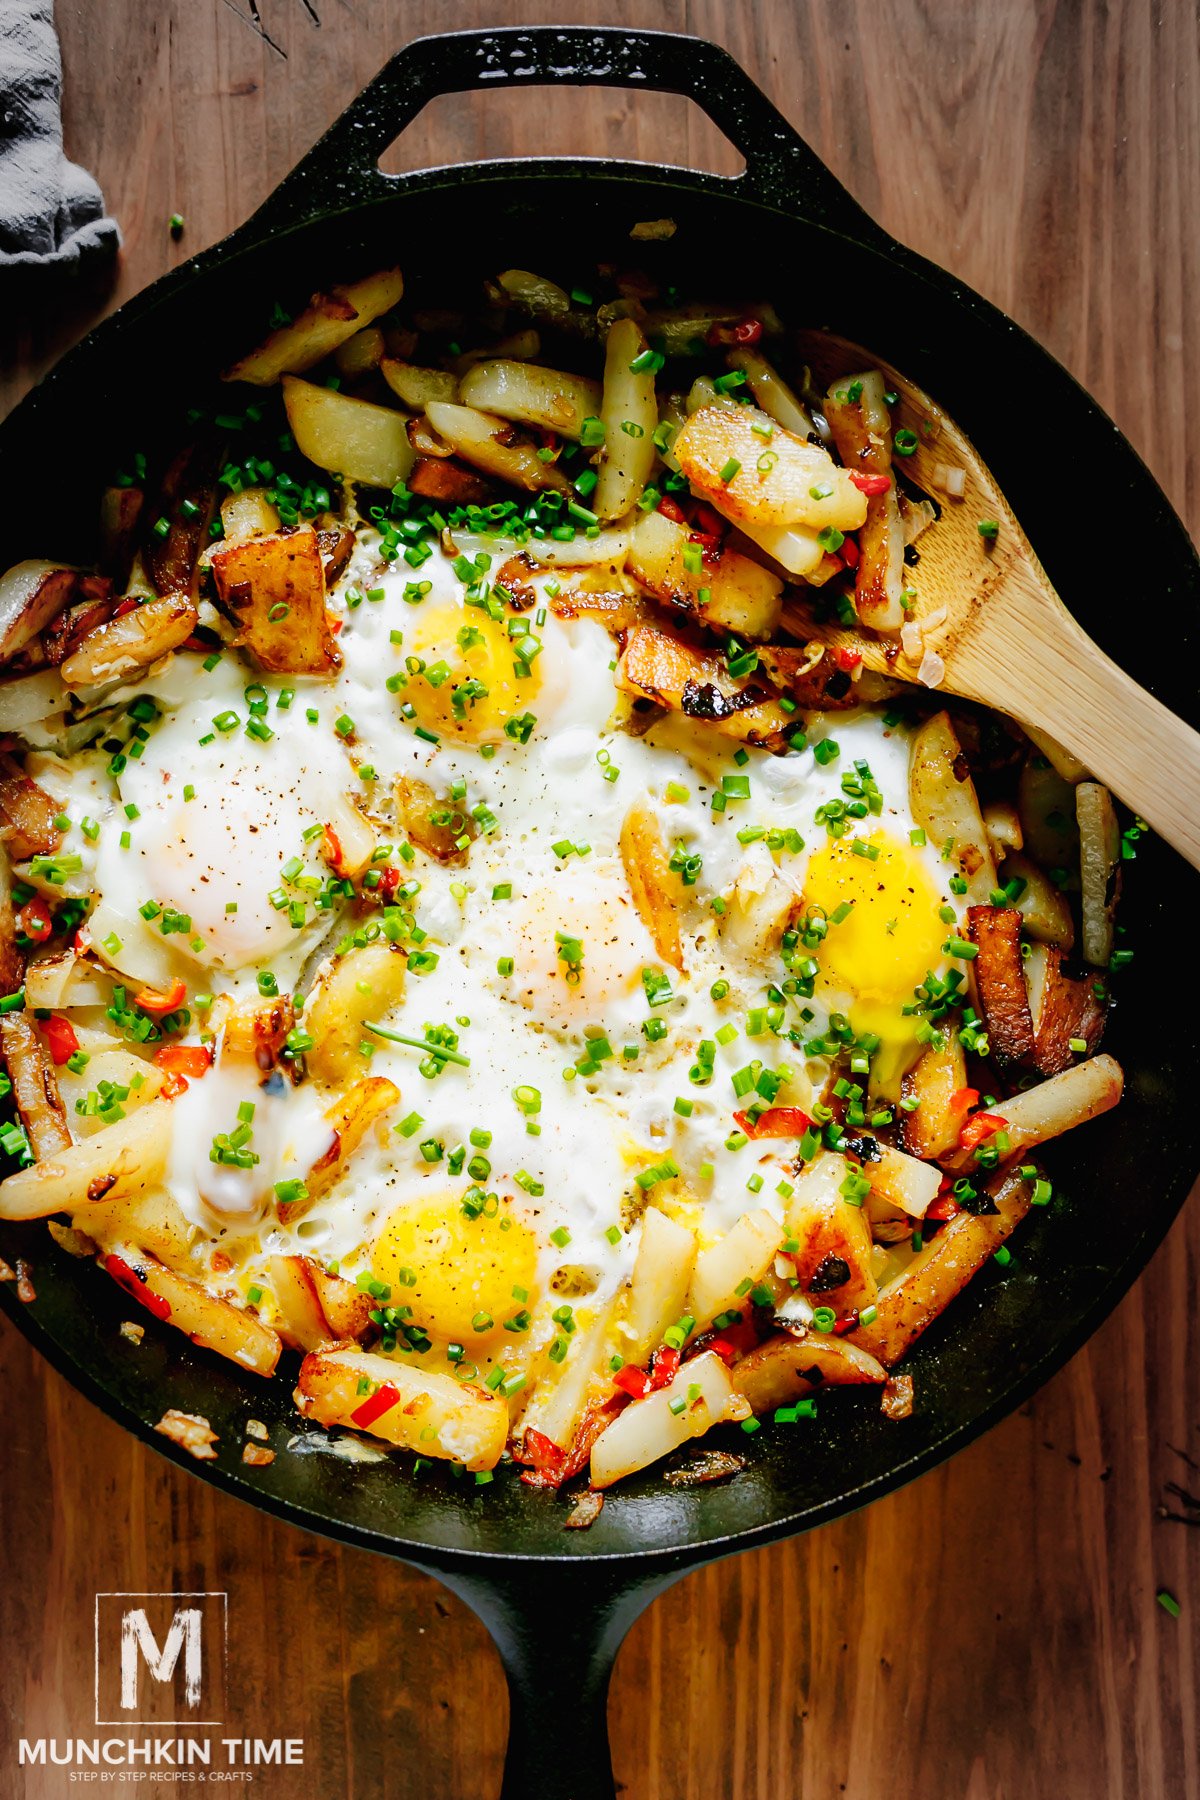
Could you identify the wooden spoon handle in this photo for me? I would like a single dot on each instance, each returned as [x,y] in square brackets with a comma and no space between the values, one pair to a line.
[1047,672]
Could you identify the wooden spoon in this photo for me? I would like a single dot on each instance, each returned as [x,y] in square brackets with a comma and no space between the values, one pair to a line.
[986,609]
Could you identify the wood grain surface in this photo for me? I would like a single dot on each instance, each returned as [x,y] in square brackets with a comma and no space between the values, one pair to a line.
[990,1633]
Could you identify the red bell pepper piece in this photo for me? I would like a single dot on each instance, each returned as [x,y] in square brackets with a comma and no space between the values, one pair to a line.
[632,1381]
[850,553]
[374,1406]
[33,919]
[168,1000]
[870,484]
[664,1366]
[983,1125]
[135,1284]
[847,660]
[670,508]
[61,1040]
[184,1059]
[776,1122]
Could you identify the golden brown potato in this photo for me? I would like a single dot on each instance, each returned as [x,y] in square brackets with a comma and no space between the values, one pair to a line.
[731,591]
[175,522]
[629,411]
[495,446]
[413,1408]
[350,1118]
[352,438]
[273,590]
[118,650]
[1100,869]
[31,594]
[435,823]
[363,984]
[940,1271]
[119,1163]
[938,1085]
[654,888]
[787,1367]
[549,399]
[248,514]
[417,387]
[27,814]
[666,668]
[999,972]
[328,321]
[945,804]
[214,1324]
[833,1260]
[858,417]
[779,480]
[34,1085]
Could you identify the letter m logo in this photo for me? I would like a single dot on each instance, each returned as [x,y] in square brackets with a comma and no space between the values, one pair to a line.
[160,1658]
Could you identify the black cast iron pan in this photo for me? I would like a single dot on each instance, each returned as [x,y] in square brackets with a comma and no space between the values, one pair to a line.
[558,1603]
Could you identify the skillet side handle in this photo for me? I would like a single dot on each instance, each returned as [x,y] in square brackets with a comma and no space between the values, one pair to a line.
[558,1626]
[341,170]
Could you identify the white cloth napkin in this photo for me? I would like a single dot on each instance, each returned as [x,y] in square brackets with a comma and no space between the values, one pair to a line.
[51,210]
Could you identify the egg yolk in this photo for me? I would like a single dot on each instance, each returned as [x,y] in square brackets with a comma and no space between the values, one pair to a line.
[884,947]
[458,1272]
[467,674]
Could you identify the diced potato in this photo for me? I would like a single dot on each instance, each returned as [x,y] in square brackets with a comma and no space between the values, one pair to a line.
[1040,1113]
[347,1308]
[122,1069]
[208,1321]
[28,699]
[649,1429]
[328,321]
[352,438]
[359,355]
[796,548]
[27,814]
[254,1030]
[654,888]
[363,984]
[549,399]
[1044,908]
[248,514]
[435,823]
[743,1255]
[1002,822]
[630,414]
[1100,869]
[940,1271]
[772,392]
[118,1163]
[760,908]
[416,387]
[1063,761]
[739,595]
[412,1408]
[64,981]
[778,480]
[565,1391]
[999,976]
[903,1181]
[937,1084]
[31,594]
[301,1322]
[495,446]
[118,650]
[1046,801]
[665,668]
[944,802]
[154,1221]
[858,417]
[535,294]
[609,546]
[1071,1011]
[658,1287]
[786,1368]
[273,590]
[34,1085]
[830,1230]
[177,519]
[349,1118]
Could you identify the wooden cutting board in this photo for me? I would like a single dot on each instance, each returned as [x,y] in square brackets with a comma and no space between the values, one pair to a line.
[991,1633]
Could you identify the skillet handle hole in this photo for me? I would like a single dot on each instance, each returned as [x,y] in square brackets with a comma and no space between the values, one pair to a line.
[624,124]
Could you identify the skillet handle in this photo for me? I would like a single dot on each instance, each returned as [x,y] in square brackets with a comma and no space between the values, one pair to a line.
[341,170]
[558,1625]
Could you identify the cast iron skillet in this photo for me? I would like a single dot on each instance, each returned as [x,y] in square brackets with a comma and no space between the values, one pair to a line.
[558,1603]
